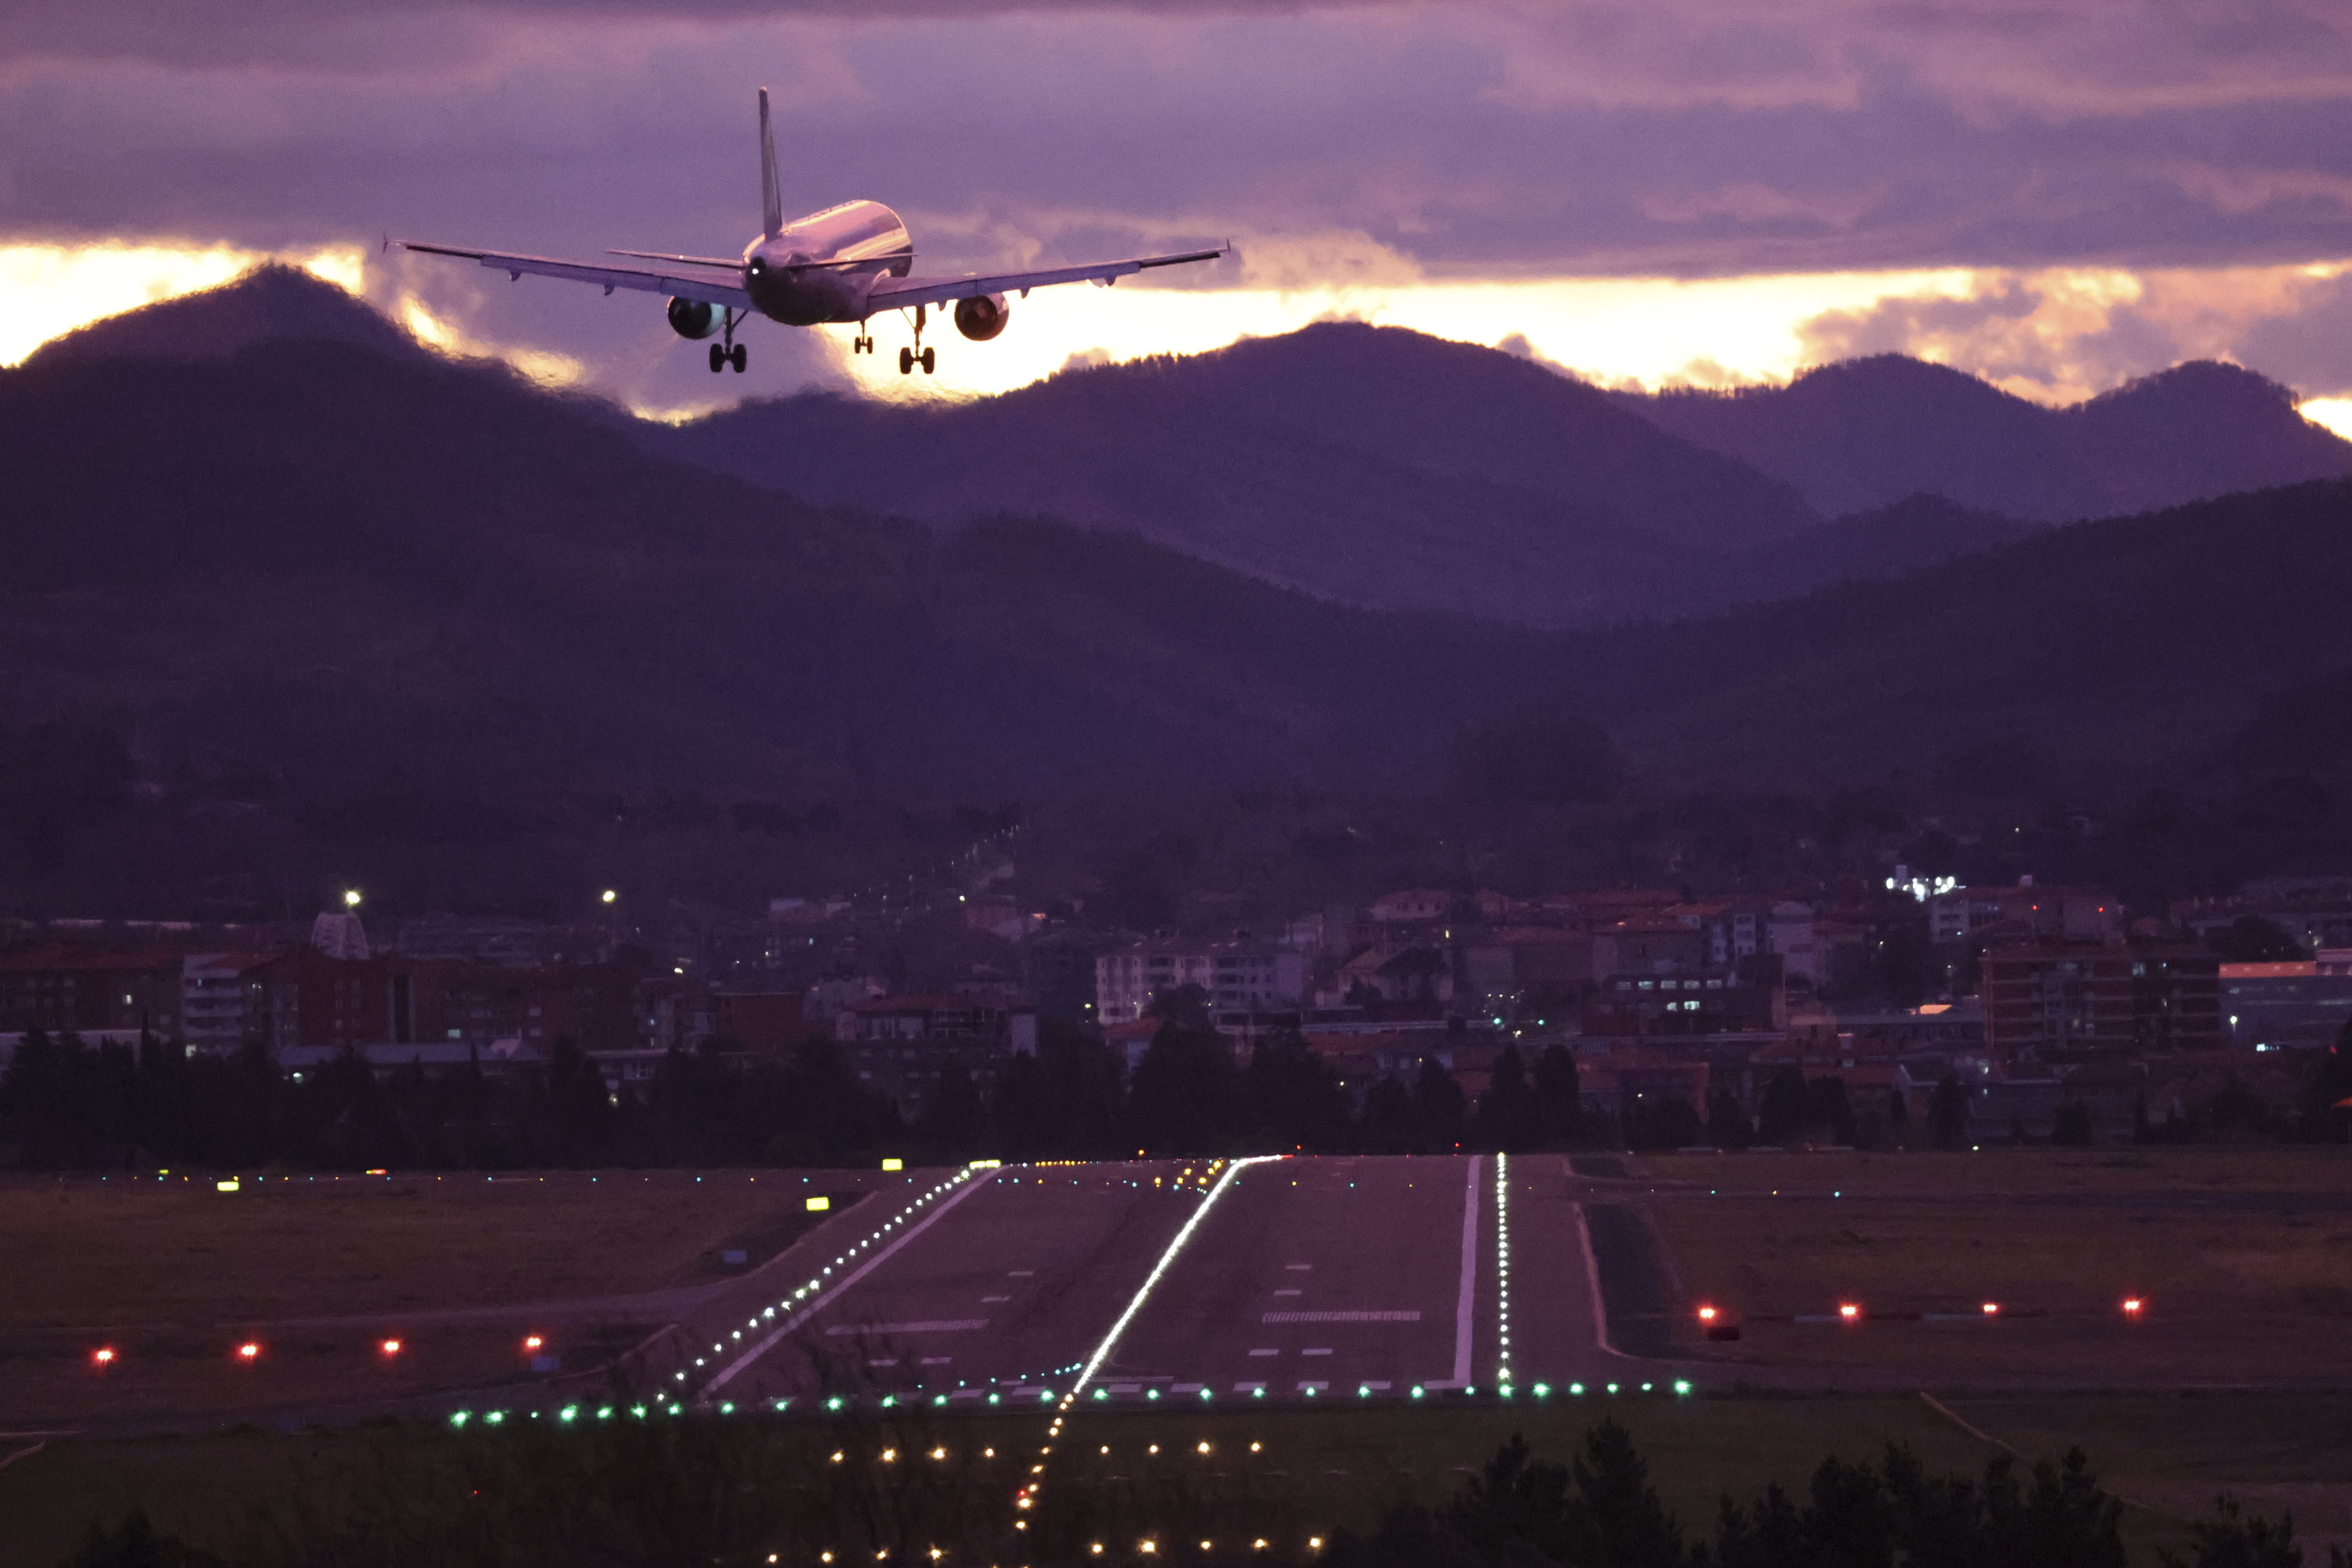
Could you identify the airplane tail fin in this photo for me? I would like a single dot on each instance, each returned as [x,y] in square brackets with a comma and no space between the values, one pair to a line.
[771,200]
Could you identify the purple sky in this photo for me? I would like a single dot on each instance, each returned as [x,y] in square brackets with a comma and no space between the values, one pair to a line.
[2210,144]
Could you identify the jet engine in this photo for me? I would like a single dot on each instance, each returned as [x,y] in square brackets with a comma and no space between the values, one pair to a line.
[983,316]
[695,318]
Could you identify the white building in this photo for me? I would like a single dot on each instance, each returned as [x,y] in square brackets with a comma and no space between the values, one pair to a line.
[1241,975]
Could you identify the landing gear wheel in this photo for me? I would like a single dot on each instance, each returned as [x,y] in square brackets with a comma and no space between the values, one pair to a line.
[906,362]
[740,357]
[931,360]
[717,358]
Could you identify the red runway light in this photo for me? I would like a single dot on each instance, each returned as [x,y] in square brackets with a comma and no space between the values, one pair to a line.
[390,1347]
[532,1343]
[1992,1309]
[1706,1314]
[2132,1304]
[102,1356]
[248,1350]
[1849,1311]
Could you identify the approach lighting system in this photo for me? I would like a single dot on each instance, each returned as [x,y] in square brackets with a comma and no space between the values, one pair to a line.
[1706,1314]
[612,896]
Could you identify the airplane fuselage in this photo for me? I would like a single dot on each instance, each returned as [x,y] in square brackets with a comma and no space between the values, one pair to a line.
[820,268]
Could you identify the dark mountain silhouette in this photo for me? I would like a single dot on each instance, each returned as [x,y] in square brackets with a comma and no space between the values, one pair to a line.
[312,561]
[1370,465]
[1919,531]
[1867,433]
[270,303]
[315,561]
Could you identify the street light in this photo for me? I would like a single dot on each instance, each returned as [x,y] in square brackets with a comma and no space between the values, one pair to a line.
[612,896]
[350,897]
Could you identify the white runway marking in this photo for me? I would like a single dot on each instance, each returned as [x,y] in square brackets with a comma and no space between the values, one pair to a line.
[928,1326]
[1290,1292]
[1325,1351]
[986,1301]
[1300,1268]
[1266,1352]
[1404,1317]
[1469,1278]
[937,1360]
[1021,1274]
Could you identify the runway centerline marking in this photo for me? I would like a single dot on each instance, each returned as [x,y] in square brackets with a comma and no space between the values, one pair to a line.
[1300,1268]
[1266,1352]
[769,1341]
[1290,1292]
[985,1300]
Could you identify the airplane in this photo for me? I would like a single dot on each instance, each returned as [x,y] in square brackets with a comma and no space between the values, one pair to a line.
[847,263]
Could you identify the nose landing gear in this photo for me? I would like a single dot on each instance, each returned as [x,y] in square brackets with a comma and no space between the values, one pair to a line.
[729,353]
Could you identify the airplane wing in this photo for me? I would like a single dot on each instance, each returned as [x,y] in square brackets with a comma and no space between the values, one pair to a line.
[903,293]
[695,282]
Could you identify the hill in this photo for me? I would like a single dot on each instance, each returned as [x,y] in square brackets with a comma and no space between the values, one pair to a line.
[272,301]
[1374,466]
[1868,433]
[318,562]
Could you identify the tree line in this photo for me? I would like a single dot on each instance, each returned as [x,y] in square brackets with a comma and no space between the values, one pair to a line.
[66,1105]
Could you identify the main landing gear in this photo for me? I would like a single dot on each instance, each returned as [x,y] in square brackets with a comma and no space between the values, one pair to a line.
[909,358]
[729,353]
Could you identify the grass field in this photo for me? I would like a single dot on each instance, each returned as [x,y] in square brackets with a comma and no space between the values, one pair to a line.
[174,1275]
[2242,1259]
[1329,1469]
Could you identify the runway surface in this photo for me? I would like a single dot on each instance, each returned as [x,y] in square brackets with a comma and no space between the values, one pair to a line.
[1303,1278]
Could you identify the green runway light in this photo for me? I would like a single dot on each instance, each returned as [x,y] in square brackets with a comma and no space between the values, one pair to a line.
[1680,1387]
[1102,1393]
[834,1404]
[1543,1391]
[567,1412]
[1645,1388]
[1576,1389]
[1258,1392]
[1147,1394]
[458,1417]
[1416,1391]
[495,1417]
[727,1409]
[1613,1388]
[639,1410]
[604,1412]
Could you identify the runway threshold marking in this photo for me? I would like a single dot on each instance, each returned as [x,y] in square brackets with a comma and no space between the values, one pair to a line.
[769,1341]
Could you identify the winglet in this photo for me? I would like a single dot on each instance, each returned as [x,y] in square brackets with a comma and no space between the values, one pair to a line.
[771,200]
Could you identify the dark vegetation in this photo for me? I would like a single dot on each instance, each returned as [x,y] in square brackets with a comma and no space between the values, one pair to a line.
[66,1106]
[736,1492]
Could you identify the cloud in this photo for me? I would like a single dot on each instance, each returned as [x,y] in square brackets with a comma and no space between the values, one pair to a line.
[2064,334]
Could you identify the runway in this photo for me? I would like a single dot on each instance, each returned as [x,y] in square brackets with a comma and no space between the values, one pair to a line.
[1305,1278]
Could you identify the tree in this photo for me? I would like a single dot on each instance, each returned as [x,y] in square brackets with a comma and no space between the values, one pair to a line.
[2250,939]
[1510,1113]
[1560,1094]
[1187,1095]
[1947,1114]
[1437,1106]
[2231,1540]
[2070,1127]
[1827,1109]
[1781,1118]
[2325,1111]
[1294,1101]
[1726,1124]
[578,1107]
